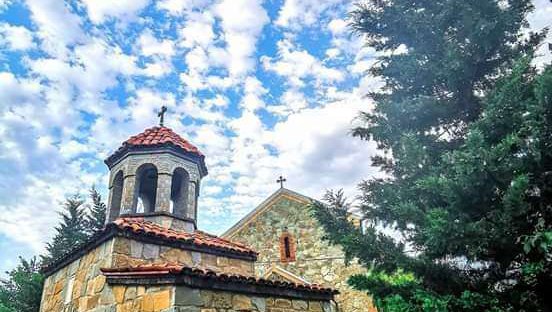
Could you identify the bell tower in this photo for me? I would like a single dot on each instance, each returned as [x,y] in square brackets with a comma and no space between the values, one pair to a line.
[156,175]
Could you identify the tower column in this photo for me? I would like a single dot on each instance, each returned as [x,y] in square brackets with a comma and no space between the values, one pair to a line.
[163,201]
[192,200]
[127,204]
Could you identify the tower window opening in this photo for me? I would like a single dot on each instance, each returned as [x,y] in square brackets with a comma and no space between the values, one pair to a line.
[179,192]
[146,188]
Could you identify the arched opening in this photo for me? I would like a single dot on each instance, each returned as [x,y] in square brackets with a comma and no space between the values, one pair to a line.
[146,189]
[116,196]
[288,247]
[179,192]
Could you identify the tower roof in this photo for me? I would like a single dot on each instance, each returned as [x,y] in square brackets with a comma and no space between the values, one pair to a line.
[158,137]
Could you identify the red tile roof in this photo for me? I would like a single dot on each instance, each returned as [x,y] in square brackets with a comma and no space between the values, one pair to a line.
[157,136]
[156,270]
[138,225]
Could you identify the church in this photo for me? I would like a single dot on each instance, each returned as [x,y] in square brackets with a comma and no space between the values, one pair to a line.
[291,248]
[151,257]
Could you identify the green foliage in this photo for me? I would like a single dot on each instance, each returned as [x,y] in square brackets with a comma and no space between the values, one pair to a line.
[95,220]
[71,232]
[21,292]
[465,126]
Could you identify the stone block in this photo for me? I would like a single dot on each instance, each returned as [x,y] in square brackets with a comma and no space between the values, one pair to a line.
[92,302]
[259,303]
[119,293]
[241,303]
[99,283]
[299,304]
[185,296]
[130,293]
[315,306]
[150,251]
[222,300]
[136,249]
[282,303]
[121,245]
[161,300]
[196,258]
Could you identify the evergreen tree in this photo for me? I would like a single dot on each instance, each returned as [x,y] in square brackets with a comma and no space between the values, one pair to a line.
[96,218]
[71,232]
[465,131]
[22,290]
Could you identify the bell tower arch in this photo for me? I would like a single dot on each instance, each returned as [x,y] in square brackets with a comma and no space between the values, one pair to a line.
[156,175]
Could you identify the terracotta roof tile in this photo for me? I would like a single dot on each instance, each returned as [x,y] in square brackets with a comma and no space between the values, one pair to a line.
[138,225]
[161,135]
[177,269]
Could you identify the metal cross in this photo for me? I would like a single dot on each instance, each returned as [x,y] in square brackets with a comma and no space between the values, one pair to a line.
[161,115]
[281,180]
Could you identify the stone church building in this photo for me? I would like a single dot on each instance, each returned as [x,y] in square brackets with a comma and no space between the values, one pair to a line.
[290,246]
[151,257]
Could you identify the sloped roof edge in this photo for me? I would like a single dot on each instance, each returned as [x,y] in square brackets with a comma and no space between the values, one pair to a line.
[282,192]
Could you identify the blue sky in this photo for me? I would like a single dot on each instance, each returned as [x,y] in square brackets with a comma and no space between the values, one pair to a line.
[263,88]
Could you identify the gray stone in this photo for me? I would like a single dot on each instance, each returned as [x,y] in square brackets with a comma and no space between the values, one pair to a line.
[150,251]
[187,309]
[259,303]
[136,249]
[299,304]
[196,258]
[327,307]
[185,296]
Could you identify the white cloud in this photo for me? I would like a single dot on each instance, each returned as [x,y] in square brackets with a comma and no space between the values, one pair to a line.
[253,92]
[150,45]
[337,26]
[57,26]
[297,65]
[242,22]
[295,14]
[198,30]
[15,37]
[125,10]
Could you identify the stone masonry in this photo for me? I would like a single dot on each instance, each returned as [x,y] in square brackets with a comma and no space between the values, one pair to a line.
[316,260]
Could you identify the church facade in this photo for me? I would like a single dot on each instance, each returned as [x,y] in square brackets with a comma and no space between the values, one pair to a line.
[291,248]
[151,257]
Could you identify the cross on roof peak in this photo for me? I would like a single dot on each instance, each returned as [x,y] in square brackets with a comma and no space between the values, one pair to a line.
[281,180]
[161,115]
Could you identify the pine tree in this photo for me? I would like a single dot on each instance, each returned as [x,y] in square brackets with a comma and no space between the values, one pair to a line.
[71,232]
[22,290]
[463,122]
[96,217]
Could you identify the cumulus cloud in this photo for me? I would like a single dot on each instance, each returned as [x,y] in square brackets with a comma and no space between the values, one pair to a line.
[296,14]
[15,37]
[125,10]
[242,22]
[297,65]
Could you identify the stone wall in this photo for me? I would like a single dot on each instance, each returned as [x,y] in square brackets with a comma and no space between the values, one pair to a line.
[80,286]
[316,261]
[196,300]
[128,252]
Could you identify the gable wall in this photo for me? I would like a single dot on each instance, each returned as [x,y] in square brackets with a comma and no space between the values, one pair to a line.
[316,261]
